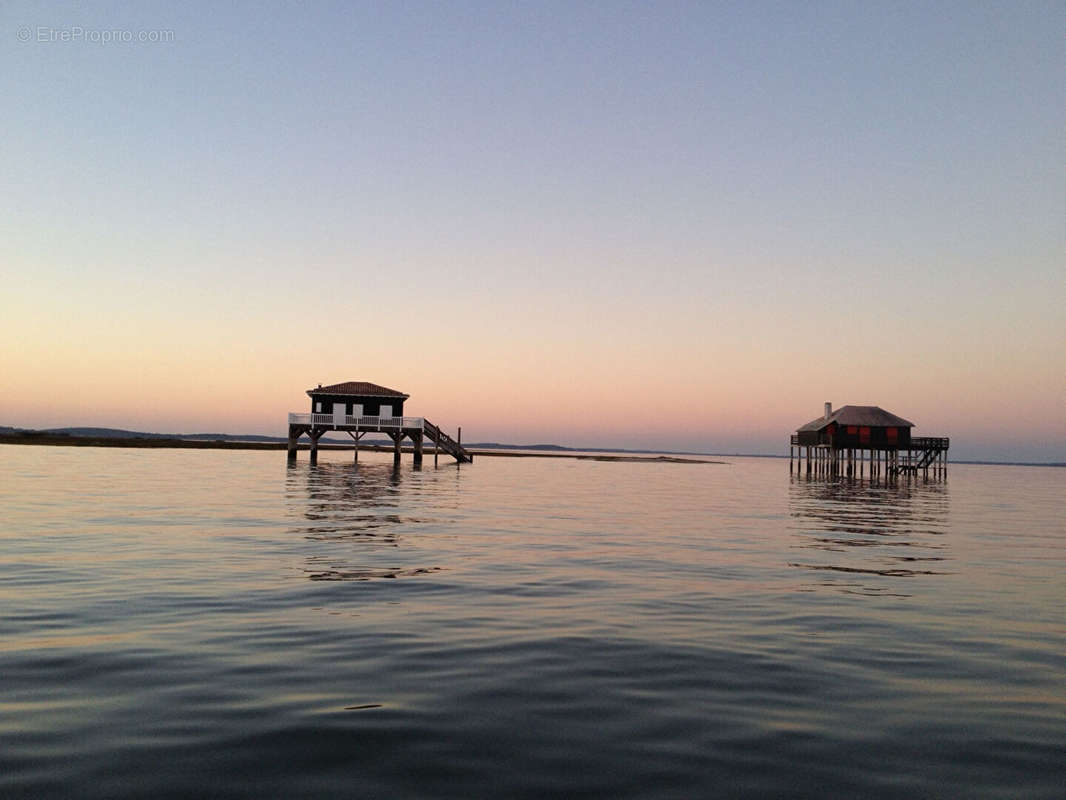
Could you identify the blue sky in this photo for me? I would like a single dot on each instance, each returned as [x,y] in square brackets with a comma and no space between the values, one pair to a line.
[542,219]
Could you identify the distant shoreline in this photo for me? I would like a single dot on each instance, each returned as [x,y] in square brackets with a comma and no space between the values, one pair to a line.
[52,440]
[71,440]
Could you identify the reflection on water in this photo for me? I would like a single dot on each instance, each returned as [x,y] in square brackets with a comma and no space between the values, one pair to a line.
[189,623]
[352,511]
[860,537]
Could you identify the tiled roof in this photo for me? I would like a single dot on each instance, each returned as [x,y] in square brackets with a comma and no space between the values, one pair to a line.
[868,416]
[357,388]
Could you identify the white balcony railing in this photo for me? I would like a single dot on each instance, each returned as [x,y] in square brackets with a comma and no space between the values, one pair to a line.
[361,422]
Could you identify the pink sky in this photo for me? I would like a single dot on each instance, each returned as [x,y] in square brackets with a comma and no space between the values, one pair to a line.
[684,231]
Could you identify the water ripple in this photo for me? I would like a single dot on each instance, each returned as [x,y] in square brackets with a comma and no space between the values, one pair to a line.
[193,623]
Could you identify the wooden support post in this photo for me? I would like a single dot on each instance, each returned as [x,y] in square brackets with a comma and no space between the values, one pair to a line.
[355,438]
[294,434]
[396,439]
[416,440]
[314,443]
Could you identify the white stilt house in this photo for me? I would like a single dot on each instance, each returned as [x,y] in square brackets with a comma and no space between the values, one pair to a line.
[358,408]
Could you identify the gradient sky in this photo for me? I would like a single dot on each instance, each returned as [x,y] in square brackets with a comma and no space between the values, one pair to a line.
[665,225]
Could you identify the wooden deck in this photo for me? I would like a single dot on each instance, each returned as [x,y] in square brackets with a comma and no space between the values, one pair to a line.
[923,453]
[417,429]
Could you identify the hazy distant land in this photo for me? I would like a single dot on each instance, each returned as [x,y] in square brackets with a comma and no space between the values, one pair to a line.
[116,437]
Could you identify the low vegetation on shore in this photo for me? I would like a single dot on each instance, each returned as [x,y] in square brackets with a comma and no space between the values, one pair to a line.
[49,438]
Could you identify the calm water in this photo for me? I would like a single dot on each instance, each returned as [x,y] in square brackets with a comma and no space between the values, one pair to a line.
[178,623]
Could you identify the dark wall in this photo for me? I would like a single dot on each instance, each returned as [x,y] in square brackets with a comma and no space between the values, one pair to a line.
[844,436]
[877,438]
[371,404]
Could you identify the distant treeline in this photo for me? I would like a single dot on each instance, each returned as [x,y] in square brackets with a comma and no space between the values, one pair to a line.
[118,433]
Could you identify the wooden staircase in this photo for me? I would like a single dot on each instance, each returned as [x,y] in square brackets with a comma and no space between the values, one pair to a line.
[447,443]
[930,447]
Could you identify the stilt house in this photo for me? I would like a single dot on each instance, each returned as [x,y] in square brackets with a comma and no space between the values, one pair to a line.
[857,426]
[839,442]
[359,408]
[357,399]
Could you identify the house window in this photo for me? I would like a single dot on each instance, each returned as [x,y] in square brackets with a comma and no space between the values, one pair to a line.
[864,435]
[853,430]
[892,435]
[318,407]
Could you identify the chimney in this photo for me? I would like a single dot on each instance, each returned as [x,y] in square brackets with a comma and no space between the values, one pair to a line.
[828,410]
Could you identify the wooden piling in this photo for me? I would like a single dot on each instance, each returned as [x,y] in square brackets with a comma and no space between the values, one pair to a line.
[355,438]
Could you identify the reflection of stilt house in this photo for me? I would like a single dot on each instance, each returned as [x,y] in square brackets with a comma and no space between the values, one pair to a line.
[359,408]
[842,442]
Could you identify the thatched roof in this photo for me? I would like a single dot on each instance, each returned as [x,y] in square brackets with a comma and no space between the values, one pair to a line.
[357,388]
[867,416]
